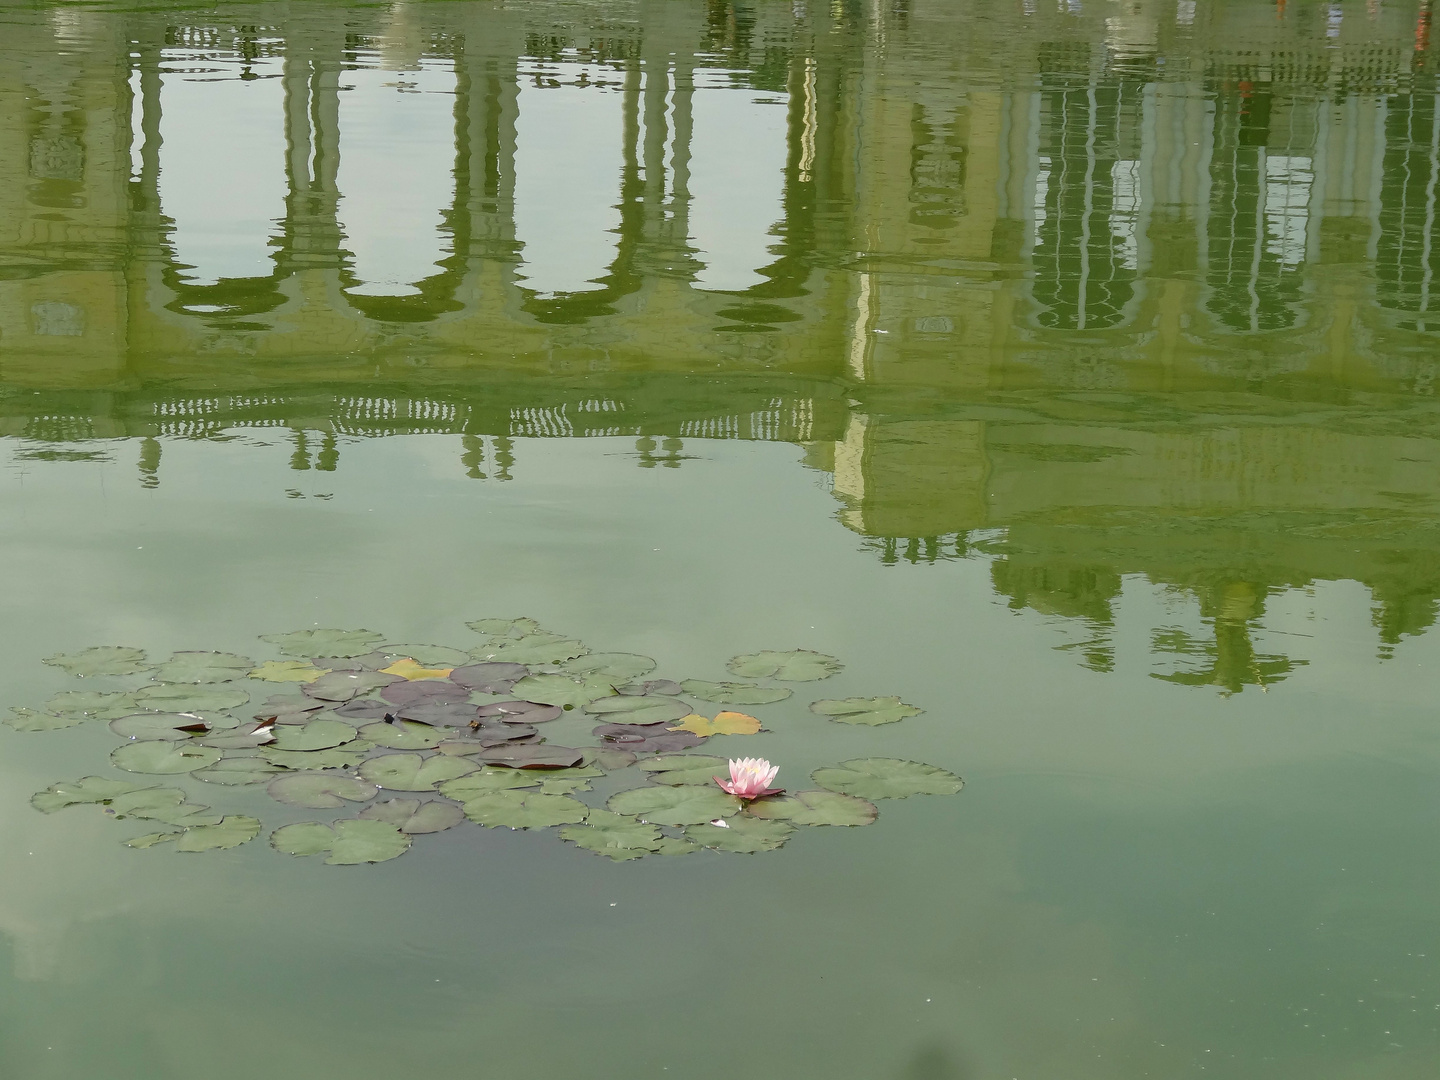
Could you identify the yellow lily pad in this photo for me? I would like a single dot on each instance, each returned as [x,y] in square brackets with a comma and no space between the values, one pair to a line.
[725,723]
[406,668]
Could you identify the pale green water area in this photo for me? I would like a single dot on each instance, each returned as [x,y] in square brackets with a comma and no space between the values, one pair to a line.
[1065,369]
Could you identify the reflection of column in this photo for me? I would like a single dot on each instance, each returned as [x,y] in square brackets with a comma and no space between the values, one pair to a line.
[312,238]
[489,89]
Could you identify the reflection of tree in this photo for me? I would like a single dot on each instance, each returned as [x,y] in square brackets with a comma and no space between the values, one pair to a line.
[1229,661]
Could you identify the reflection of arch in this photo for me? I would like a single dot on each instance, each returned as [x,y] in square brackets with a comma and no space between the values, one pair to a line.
[1407,255]
[1087,198]
[1259,214]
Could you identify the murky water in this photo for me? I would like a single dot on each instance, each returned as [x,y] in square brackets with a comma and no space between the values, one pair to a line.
[1068,370]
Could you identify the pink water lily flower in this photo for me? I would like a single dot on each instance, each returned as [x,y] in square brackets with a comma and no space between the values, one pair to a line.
[750,778]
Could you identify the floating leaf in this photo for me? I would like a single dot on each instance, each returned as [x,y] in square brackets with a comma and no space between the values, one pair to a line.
[620,666]
[344,685]
[689,804]
[402,735]
[607,757]
[318,734]
[406,668]
[151,839]
[30,720]
[871,711]
[563,787]
[88,789]
[647,738]
[91,704]
[161,804]
[149,726]
[742,834]
[349,841]
[614,835]
[520,712]
[532,756]
[725,723]
[324,642]
[514,628]
[234,772]
[735,693]
[675,845]
[887,778]
[676,769]
[301,671]
[487,781]
[101,660]
[320,790]
[797,665]
[489,678]
[653,687]
[430,656]
[363,709]
[203,667]
[415,817]
[639,710]
[163,758]
[244,737]
[348,756]
[521,809]
[450,714]
[531,649]
[170,697]
[411,772]
[815,808]
[230,831]
[562,690]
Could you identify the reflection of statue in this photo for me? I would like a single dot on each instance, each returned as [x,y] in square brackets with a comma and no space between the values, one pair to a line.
[1085,593]
[1233,663]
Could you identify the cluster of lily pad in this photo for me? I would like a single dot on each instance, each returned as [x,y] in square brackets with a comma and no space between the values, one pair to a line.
[416,739]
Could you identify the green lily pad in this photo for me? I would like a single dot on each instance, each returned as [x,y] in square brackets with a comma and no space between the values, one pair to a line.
[531,649]
[169,805]
[415,817]
[614,835]
[742,834]
[497,628]
[488,781]
[88,789]
[735,693]
[520,809]
[245,737]
[203,667]
[348,756]
[815,808]
[549,786]
[403,735]
[349,841]
[411,772]
[151,839]
[428,656]
[172,697]
[284,671]
[31,720]
[871,711]
[148,726]
[676,769]
[324,642]
[101,660]
[237,771]
[607,759]
[887,778]
[344,685]
[316,735]
[561,690]
[320,790]
[619,666]
[688,804]
[91,704]
[675,845]
[796,665]
[639,710]
[230,831]
[163,758]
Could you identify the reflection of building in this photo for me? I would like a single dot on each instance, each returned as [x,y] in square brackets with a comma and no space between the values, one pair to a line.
[1154,201]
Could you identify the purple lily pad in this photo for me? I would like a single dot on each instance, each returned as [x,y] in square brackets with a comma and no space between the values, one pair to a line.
[646,738]
[532,756]
[491,678]
[439,713]
[424,690]
[520,712]
[365,709]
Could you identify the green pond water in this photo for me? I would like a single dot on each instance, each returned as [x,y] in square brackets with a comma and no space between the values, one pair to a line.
[1067,370]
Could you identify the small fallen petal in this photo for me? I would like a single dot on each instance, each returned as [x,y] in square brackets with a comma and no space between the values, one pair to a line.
[720,822]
